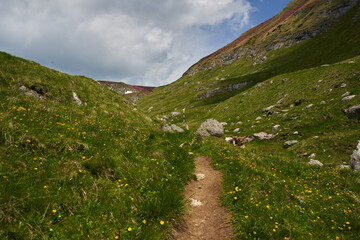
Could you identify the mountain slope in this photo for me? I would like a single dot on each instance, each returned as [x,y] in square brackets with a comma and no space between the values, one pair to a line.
[77,161]
[200,92]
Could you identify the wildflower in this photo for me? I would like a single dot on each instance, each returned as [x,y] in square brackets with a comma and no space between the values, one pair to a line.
[347,223]
[116,237]
[45,187]
[162,222]
[129,229]
[54,211]
[83,157]
[144,221]
[28,140]
[246,217]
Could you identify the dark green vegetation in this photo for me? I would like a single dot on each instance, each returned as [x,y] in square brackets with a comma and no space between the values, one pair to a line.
[281,196]
[92,171]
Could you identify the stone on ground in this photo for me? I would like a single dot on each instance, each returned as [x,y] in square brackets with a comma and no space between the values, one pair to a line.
[355,159]
[210,127]
[288,144]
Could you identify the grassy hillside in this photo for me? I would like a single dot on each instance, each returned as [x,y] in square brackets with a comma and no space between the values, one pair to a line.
[271,190]
[99,170]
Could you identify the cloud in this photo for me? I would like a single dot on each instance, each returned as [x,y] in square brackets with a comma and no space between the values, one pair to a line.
[142,42]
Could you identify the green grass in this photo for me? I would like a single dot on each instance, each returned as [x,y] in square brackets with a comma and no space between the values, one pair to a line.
[99,171]
[272,197]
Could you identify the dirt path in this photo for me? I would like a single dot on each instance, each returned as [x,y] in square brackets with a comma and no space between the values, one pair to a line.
[206,218]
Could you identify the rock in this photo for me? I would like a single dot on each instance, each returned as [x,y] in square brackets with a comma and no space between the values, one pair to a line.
[309,106]
[238,123]
[268,109]
[150,108]
[229,139]
[353,112]
[200,176]
[347,98]
[22,89]
[312,155]
[176,128]
[296,133]
[247,140]
[34,94]
[275,128]
[355,159]
[343,167]
[236,130]
[343,85]
[181,145]
[323,102]
[174,114]
[210,127]
[288,144]
[345,94]
[167,128]
[224,123]
[315,162]
[258,118]
[264,136]
[149,119]
[195,203]
[285,80]
[77,99]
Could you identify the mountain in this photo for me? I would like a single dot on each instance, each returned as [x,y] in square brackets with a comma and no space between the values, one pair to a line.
[131,92]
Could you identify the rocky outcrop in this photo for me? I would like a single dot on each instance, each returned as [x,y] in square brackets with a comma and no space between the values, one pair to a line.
[353,112]
[77,99]
[210,127]
[355,159]
[315,162]
[223,89]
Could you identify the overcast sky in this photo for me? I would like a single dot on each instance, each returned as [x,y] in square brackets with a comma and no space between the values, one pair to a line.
[140,42]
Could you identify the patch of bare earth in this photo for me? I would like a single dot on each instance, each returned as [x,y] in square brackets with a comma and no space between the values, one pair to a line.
[206,219]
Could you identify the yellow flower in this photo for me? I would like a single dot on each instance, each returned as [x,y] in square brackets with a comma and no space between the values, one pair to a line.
[144,221]
[347,223]
[45,187]
[54,211]
[116,237]
[162,222]
[129,229]
[235,198]
[246,217]
[83,157]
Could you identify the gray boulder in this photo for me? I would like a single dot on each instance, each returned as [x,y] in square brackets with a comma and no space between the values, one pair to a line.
[77,99]
[264,136]
[353,112]
[288,144]
[210,127]
[355,159]
[176,128]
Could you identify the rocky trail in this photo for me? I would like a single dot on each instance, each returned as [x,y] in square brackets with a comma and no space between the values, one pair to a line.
[206,219]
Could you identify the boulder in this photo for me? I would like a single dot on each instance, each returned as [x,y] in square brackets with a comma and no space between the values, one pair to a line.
[288,144]
[315,162]
[353,112]
[355,159]
[347,98]
[210,127]
[167,128]
[236,130]
[176,128]
[264,136]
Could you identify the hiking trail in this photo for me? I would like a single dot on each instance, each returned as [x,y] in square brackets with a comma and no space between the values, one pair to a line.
[205,219]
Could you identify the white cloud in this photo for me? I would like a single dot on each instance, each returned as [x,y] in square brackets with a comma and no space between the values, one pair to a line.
[143,42]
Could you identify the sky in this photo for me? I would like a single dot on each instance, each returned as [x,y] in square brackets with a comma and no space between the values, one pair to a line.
[140,42]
